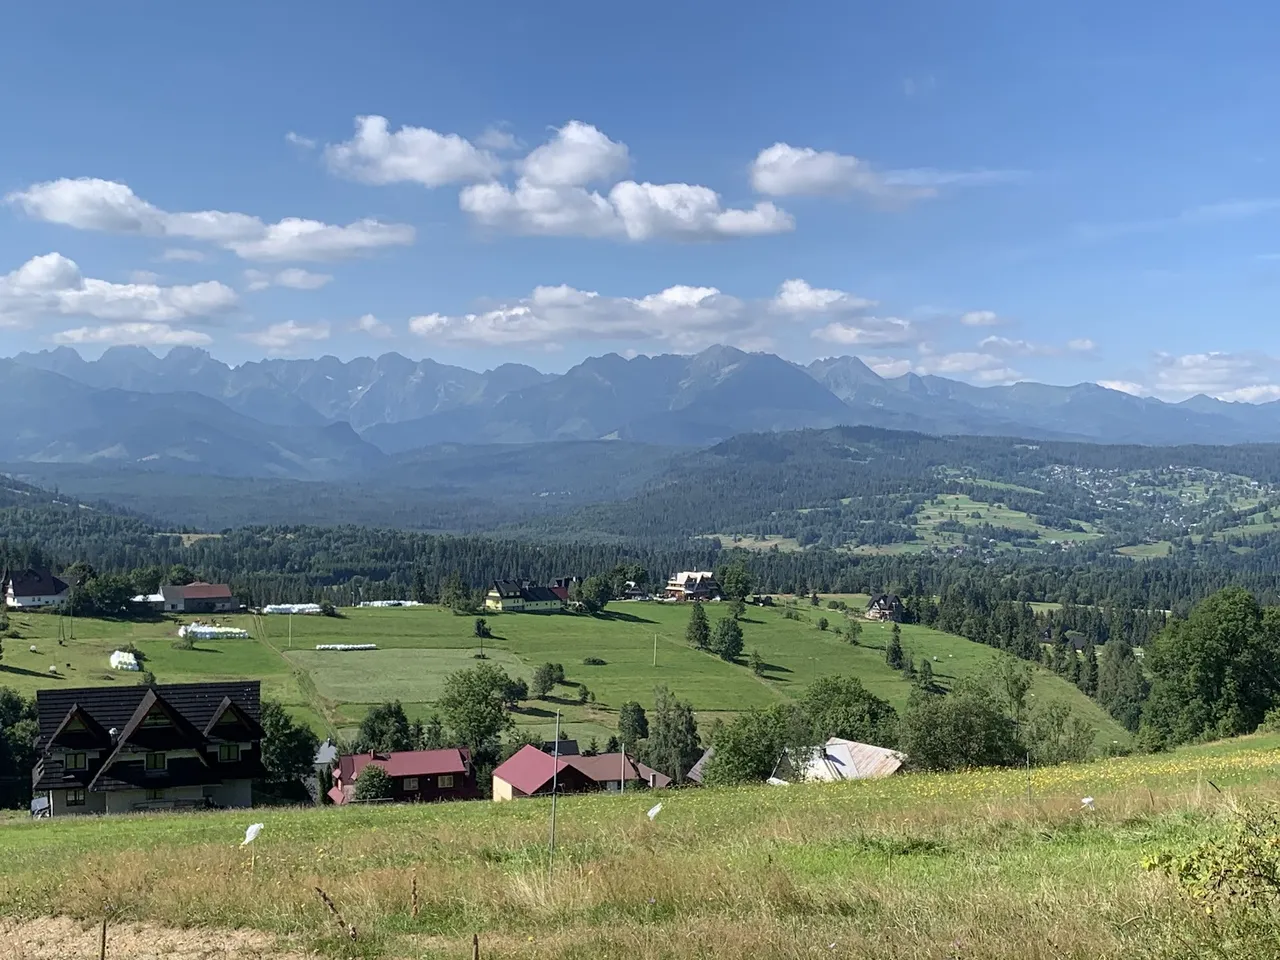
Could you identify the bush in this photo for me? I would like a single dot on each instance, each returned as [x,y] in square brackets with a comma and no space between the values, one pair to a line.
[593,662]
[183,643]
[823,623]
[327,609]
[374,783]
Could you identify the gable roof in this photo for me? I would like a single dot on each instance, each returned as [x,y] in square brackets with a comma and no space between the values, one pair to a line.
[884,601]
[532,594]
[699,769]
[92,733]
[561,748]
[507,589]
[249,726]
[37,583]
[206,591]
[529,769]
[407,763]
[115,706]
[842,759]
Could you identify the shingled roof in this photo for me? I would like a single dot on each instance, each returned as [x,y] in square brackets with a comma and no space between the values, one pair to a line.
[36,583]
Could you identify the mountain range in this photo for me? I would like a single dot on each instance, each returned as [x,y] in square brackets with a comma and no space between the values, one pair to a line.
[331,419]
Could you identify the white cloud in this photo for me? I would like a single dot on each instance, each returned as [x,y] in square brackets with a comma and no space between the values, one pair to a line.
[411,154]
[888,366]
[783,170]
[93,204]
[284,337]
[981,318]
[1027,348]
[498,140]
[52,285]
[1125,386]
[577,155]
[1259,393]
[143,276]
[298,140]
[182,255]
[798,297]
[294,278]
[133,334]
[869,331]
[551,197]
[373,327]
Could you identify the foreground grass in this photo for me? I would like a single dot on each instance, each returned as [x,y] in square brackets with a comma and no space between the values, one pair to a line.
[420,647]
[918,866]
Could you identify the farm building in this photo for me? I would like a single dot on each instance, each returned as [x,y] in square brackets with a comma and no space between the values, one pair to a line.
[531,773]
[417,776]
[125,749]
[521,596]
[198,598]
[839,759]
[32,589]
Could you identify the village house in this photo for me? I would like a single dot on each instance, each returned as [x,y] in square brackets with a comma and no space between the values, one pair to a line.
[417,776]
[198,597]
[124,749]
[32,589]
[521,596]
[885,607]
[532,772]
[840,759]
[693,585]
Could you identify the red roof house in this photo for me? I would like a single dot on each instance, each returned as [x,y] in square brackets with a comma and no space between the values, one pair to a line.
[531,772]
[417,776]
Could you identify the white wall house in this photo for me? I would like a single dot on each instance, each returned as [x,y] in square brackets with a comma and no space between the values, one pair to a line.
[32,589]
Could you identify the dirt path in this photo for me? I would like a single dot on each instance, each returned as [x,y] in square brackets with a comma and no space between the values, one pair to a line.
[59,938]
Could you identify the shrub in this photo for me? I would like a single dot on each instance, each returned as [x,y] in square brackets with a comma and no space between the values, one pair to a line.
[374,783]
[593,662]
[184,643]
[823,623]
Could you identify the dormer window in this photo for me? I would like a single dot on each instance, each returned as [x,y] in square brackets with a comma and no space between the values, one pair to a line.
[155,763]
[228,752]
[75,761]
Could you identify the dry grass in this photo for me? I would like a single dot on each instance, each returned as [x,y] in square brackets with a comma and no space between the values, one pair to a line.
[916,867]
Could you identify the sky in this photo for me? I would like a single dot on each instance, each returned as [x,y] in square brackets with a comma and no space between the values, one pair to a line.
[990,191]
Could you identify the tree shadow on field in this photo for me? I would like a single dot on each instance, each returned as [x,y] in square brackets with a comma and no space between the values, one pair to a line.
[538,712]
[204,650]
[24,672]
[623,617]
[775,668]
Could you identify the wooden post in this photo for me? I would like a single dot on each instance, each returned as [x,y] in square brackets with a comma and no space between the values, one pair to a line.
[414,897]
[102,945]
[475,946]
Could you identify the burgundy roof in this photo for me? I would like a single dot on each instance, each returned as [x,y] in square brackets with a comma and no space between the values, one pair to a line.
[407,763]
[530,769]
[206,591]
[605,766]
[561,593]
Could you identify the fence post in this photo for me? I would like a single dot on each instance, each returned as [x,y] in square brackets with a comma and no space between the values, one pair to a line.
[102,944]
[475,946]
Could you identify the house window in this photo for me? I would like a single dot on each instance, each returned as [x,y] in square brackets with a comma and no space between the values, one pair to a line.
[155,794]
[411,783]
[156,718]
[445,782]
[75,798]
[228,752]
[76,761]
[155,761]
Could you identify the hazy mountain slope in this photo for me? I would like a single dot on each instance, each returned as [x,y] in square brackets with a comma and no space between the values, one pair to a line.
[52,418]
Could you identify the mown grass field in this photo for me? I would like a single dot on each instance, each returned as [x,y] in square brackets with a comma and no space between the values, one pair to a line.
[420,647]
[963,509]
[987,864]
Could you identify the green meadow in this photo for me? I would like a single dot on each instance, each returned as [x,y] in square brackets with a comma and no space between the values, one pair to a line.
[641,643]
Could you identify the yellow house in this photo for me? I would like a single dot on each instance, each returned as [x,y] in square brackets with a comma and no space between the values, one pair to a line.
[512,596]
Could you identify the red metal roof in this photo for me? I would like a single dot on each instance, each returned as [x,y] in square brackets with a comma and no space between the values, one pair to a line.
[407,763]
[562,593]
[605,767]
[529,770]
[206,591]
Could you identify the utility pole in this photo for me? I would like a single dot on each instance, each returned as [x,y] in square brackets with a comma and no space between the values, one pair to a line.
[290,631]
[655,649]
[555,784]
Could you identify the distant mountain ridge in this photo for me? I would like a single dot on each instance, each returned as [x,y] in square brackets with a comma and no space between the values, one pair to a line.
[326,418]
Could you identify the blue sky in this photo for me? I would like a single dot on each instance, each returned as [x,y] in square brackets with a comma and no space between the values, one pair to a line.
[989,191]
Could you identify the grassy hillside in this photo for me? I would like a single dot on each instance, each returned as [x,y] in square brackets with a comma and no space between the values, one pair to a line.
[988,864]
[419,647]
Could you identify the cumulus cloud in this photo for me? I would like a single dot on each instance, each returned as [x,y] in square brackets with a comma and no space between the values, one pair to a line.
[797,296]
[783,170]
[294,278]
[285,337]
[552,195]
[52,285]
[1237,377]
[133,334]
[411,154]
[869,332]
[373,327]
[981,318]
[499,140]
[683,317]
[91,204]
